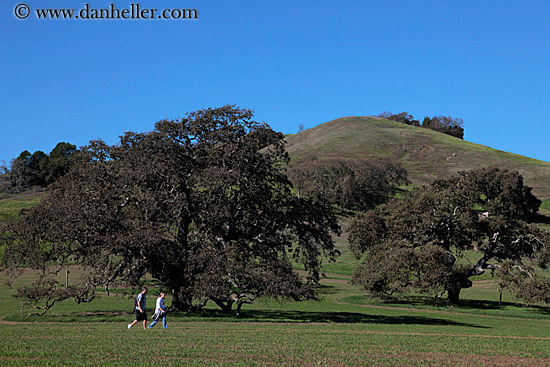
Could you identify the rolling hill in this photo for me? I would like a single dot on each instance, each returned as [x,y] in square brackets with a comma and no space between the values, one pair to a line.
[426,154]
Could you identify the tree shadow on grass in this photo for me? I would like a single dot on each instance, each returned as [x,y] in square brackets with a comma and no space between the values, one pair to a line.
[322,317]
[493,305]
[326,289]
[423,302]
[541,218]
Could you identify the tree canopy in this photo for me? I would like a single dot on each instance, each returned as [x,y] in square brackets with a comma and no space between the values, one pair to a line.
[200,203]
[444,124]
[403,117]
[356,184]
[413,243]
[37,169]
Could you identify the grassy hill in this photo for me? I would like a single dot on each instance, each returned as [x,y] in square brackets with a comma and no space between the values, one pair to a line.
[426,154]
[10,205]
[343,328]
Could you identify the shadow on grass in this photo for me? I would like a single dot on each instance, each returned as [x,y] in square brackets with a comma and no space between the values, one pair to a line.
[326,289]
[273,316]
[319,317]
[541,219]
[423,302]
[492,305]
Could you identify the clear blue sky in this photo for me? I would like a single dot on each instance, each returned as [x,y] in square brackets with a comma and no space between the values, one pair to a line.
[293,62]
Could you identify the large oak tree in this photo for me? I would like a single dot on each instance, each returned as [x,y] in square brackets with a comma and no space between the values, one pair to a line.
[201,203]
[413,243]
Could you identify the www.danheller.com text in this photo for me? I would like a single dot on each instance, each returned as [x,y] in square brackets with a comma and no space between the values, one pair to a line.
[133,11]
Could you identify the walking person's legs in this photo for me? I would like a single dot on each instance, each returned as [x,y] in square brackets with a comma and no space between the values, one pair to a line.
[140,316]
[135,321]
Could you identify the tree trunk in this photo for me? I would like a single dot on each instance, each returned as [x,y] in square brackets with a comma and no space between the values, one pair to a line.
[453,295]
[459,280]
[226,307]
[180,300]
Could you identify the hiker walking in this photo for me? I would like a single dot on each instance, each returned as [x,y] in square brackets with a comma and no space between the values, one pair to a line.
[141,314]
[160,312]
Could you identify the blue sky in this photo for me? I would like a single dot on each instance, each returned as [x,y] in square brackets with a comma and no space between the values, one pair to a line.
[292,62]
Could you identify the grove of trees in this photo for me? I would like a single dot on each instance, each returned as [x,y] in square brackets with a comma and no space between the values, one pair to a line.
[201,203]
[208,205]
[444,124]
[413,243]
[358,184]
[37,169]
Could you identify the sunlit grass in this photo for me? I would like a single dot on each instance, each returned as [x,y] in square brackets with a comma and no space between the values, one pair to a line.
[10,205]
[345,327]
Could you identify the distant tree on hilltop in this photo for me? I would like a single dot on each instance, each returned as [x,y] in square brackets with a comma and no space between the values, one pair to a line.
[443,124]
[446,125]
[403,117]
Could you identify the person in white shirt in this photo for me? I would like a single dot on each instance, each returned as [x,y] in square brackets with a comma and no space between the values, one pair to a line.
[160,312]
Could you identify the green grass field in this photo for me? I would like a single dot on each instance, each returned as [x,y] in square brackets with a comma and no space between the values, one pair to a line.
[257,344]
[12,204]
[343,328]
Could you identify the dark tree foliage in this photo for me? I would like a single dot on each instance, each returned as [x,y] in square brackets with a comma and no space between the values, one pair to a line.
[200,203]
[358,184]
[58,162]
[403,117]
[20,175]
[4,181]
[37,169]
[413,243]
[443,124]
[519,280]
